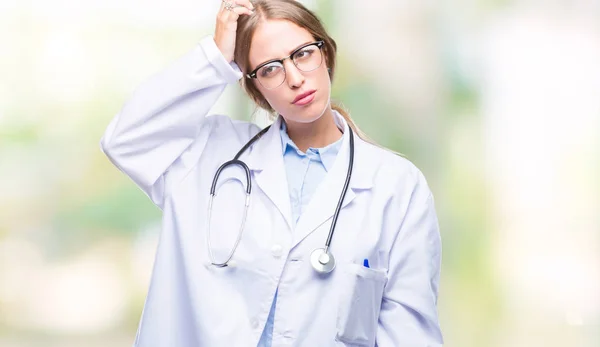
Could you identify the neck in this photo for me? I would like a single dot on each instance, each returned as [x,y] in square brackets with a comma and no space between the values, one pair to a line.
[317,134]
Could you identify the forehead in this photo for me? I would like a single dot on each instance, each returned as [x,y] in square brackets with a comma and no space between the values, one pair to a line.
[276,38]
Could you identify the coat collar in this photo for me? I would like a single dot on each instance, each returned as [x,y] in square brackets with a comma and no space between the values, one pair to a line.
[265,160]
[326,155]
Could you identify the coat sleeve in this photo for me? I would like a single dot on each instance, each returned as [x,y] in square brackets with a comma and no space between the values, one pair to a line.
[408,316]
[165,116]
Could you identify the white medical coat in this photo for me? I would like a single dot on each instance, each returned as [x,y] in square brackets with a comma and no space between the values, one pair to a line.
[165,142]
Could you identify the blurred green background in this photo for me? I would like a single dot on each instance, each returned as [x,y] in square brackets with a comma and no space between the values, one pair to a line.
[498,102]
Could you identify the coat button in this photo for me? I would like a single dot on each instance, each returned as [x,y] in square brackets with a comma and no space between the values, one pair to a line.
[276,251]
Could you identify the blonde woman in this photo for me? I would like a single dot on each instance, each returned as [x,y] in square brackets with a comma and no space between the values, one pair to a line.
[300,234]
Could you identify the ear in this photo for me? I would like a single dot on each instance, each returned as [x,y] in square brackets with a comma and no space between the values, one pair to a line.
[326,58]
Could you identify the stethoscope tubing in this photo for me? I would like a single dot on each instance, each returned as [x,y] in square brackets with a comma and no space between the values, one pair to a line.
[321,268]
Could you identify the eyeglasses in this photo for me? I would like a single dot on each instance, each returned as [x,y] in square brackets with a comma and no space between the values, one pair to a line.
[271,74]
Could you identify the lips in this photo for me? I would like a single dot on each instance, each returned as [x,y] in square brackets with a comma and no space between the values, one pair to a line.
[305,97]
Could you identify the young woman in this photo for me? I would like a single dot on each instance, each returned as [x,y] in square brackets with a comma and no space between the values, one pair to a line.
[300,234]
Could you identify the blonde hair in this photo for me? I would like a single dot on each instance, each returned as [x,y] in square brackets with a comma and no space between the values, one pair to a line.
[295,12]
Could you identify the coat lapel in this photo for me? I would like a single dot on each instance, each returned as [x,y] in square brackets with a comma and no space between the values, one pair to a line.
[265,160]
[323,203]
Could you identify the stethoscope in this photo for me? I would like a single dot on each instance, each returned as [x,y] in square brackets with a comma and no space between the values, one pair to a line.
[321,259]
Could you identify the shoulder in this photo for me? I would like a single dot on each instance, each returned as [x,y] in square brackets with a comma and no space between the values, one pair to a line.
[225,128]
[396,172]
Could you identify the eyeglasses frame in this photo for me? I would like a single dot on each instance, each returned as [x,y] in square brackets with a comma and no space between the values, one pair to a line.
[319,44]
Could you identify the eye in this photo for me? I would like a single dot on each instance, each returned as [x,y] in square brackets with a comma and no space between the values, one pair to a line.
[270,70]
[304,53]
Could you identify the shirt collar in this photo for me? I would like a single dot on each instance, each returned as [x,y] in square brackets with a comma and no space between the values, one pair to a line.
[326,154]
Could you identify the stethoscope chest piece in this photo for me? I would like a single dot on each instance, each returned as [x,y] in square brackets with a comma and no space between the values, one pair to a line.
[322,261]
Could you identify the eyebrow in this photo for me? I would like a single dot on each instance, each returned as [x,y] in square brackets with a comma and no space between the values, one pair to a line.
[290,53]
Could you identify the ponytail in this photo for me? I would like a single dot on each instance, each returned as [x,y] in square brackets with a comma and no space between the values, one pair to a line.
[344,113]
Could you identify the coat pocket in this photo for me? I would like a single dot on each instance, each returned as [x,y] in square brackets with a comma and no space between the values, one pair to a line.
[360,302]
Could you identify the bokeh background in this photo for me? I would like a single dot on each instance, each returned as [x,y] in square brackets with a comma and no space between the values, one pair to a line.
[497,101]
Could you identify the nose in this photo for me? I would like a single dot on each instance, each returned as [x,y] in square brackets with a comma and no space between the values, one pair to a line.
[293,76]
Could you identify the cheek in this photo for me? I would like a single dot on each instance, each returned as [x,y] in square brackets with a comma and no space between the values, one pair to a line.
[323,76]
[274,98]
[271,96]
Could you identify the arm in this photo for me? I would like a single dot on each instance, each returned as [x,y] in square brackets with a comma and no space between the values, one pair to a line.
[166,115]
[408,314]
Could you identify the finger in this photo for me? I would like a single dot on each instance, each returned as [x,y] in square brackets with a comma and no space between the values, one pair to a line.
[234,13]
[236,3]
[242,10]
[225,4]
[246,3]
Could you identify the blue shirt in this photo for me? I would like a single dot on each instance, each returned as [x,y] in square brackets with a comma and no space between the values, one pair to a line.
[305,171]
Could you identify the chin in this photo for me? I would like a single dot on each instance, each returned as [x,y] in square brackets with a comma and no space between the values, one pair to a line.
[308,114]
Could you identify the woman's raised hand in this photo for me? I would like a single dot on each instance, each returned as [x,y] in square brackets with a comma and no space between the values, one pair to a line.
[226,27]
